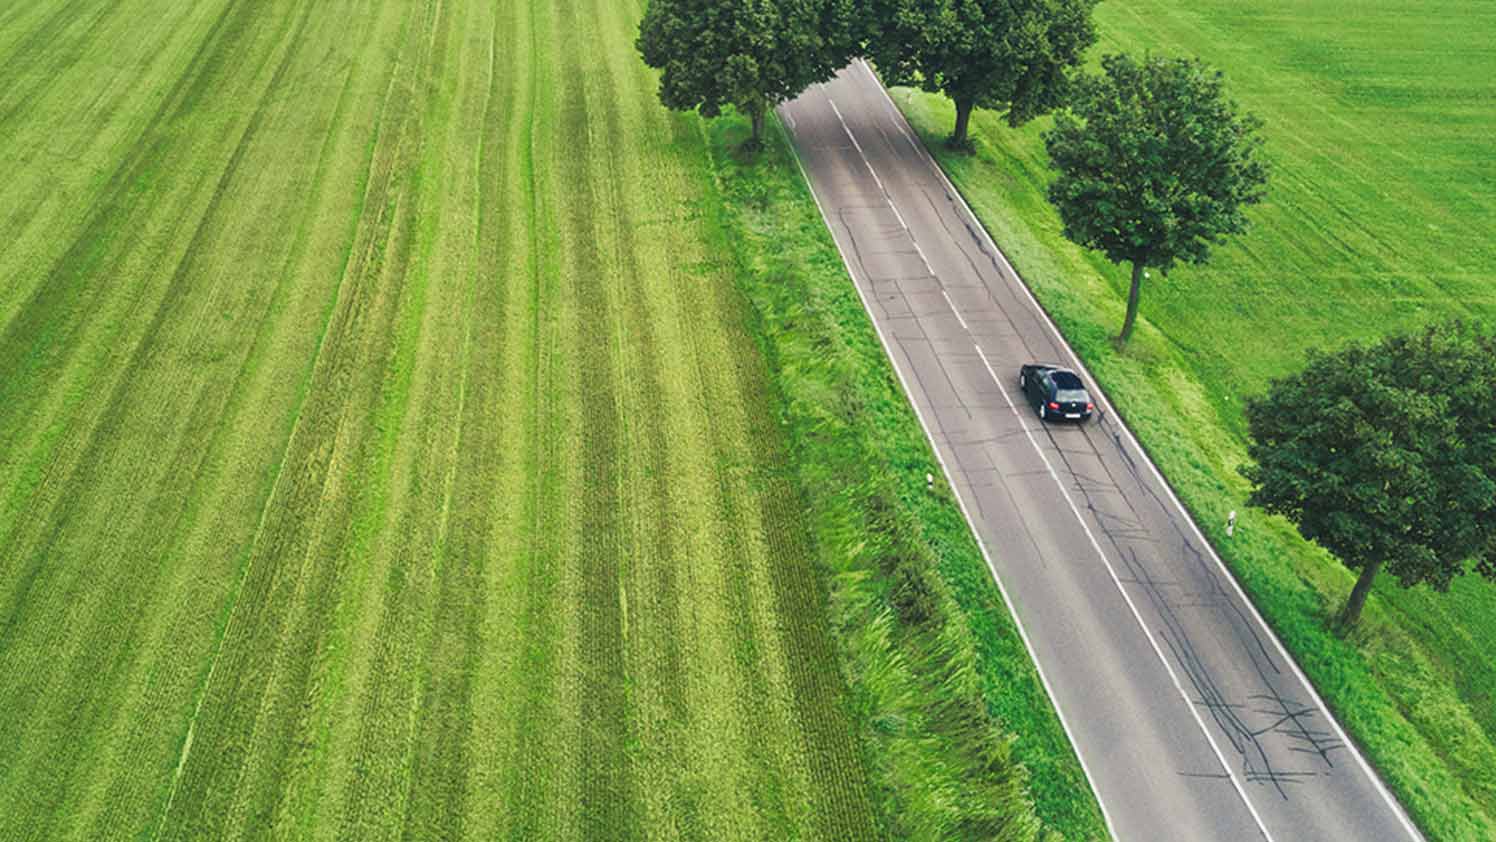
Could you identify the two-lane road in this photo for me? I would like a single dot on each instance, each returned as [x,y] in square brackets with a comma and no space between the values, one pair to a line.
[1190,719]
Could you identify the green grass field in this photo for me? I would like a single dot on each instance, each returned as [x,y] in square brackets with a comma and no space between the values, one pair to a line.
[385,449]
[404,433]
[1379,127]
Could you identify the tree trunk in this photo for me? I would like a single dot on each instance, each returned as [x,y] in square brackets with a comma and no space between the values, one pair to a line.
[1352,613]
[1132,301]
[958,139]
[756,141]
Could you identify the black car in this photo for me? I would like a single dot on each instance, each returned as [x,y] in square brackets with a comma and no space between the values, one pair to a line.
[1056,393]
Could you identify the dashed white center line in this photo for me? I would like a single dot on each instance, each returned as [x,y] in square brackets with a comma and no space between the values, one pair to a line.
[952,305]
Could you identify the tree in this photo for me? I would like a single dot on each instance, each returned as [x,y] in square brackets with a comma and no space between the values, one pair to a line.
[1010,55]
[1155,166]
[752,54]
[1385,455]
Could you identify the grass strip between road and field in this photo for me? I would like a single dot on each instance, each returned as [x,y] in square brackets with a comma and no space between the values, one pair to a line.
[959,736]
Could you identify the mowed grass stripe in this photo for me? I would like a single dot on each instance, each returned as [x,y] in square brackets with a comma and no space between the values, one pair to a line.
[233,507]
[650,595]
[74,326]
[403,456]
[795,665]
[718,789]
[46,50]
[292,568]
[502,409]
[604,558]
[56,144]
[427,456]
[399,529]
[731,733]
[65,314]
[541,791]
[233,482]
[812,782]
[436,797]
[95,640]
[257,226]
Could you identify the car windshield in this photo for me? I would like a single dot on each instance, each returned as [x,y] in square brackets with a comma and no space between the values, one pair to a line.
[1071,395]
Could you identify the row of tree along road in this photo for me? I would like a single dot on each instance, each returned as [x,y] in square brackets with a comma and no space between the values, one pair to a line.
[1155,163]
[1383,454]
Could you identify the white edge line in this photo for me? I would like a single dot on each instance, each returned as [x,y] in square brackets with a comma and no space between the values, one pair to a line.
[960,501]
[1065,492]
[1345,739]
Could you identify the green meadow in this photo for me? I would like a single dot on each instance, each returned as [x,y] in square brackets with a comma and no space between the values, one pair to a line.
[1379,218]
[385,449]
[409,429]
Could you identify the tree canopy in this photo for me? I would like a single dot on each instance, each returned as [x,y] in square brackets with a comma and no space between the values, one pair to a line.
[752,54]
[1385,455]
[1155,165]
[1010,55]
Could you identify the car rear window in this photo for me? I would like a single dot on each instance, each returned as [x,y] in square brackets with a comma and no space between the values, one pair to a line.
[1066,380]
[1071,395]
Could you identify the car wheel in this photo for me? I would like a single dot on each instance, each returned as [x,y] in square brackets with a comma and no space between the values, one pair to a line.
[1043,413]
[1022,381]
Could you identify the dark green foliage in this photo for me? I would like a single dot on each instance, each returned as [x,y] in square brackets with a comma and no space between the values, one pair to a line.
[1385,455]
[911,594]
[1155,165]
[1010,55]
[752,54]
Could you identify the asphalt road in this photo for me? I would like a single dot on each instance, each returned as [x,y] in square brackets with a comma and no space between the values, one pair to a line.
[1189,717]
